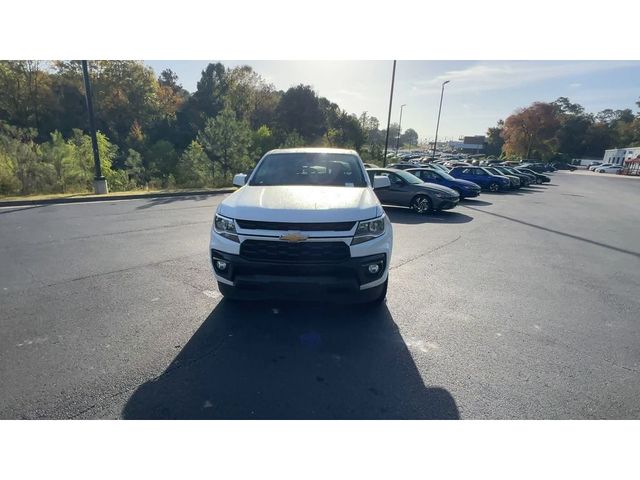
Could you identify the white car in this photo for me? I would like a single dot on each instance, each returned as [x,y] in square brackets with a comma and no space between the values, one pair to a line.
[593,168]
[306,225]
[608,169]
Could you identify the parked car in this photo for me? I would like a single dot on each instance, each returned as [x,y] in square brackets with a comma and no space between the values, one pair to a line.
[599,165]
[539,177]
[514,180]
[407,190]
[482,177]
[305,224]
[402,166]
[564,166]
[531,178]
[594,164]
[609,169]
[539,167]
[465,188]
[437,166]
[456,163]
[525,180]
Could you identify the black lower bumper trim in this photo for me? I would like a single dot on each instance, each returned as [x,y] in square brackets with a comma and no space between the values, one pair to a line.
[268,280]
[300,293]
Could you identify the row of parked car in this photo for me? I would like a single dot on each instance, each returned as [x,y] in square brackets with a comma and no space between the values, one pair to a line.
[600,167]
[432,187]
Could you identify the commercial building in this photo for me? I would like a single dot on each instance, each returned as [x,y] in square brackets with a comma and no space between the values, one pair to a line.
[474,144]
[617,156]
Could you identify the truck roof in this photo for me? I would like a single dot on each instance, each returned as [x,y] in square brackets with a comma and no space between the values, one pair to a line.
[314,150]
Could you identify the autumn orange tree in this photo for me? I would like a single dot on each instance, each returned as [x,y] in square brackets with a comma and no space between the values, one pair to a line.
[531,132]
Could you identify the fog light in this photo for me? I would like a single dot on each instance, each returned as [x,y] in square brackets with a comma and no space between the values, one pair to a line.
[221,265]
[374,268]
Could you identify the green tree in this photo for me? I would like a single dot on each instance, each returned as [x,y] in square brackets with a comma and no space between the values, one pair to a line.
[194,167]
[162,158]
[26,98]
[262,140]
[409,137]
[124,92]
[135,169]
[299,110]
[61,154]
[9,182]
[495,140]
[293,140]
[226,141]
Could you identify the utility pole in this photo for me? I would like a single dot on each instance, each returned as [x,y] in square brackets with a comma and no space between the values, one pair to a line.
[99,182]
[399,128]
[435,142]
[386,140]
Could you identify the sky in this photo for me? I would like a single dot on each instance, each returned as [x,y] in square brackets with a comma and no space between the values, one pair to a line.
[479,93]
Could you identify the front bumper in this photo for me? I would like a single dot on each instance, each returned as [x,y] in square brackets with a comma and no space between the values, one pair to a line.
[309,278]
[446,203]
[343,281]
[469,193]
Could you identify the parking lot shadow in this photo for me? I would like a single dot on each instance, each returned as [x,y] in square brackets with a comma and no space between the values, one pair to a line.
[473,201]
[407,216]
[292,361]
[156,201]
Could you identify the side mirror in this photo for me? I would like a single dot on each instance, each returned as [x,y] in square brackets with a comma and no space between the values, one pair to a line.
[239,179]
[381,181]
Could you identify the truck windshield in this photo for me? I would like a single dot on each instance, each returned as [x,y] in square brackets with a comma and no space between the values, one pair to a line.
[309,168]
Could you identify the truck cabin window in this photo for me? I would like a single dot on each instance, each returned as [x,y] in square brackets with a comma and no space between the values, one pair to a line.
[321,169]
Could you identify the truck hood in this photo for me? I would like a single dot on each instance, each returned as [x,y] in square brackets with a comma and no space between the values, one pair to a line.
[307,204]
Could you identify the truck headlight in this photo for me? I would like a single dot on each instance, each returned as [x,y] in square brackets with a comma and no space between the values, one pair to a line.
[368,230]
[225,227]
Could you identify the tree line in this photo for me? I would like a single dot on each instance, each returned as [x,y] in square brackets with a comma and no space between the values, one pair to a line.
[561,131]
[153,133]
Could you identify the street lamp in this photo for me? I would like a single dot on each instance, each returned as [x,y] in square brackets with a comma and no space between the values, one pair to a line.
[435,142]
[399,128]
[386,140]
[99,182]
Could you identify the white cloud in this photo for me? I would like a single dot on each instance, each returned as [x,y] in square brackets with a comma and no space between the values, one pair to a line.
[502,75]
[575,85]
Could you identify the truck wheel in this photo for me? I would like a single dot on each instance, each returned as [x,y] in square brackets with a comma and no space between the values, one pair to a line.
[421,204]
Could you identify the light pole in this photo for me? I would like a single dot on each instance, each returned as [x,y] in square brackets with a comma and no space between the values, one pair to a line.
[435,142]
[99,182]
[399,128]
[386,140]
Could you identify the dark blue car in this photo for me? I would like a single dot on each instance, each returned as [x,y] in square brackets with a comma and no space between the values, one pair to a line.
[465,188]
[482,177]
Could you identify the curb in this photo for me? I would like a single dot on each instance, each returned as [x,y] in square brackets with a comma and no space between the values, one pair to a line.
[107,198]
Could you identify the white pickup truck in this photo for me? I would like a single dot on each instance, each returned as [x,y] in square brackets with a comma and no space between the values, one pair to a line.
[304,225]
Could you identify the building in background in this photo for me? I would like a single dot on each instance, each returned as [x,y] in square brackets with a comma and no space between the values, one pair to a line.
[617,156]
[474,144]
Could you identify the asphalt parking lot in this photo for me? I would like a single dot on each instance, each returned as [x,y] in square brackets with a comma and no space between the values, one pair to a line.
[519,305]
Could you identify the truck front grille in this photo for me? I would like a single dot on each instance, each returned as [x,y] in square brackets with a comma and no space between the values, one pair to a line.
[300,227]
[304,252]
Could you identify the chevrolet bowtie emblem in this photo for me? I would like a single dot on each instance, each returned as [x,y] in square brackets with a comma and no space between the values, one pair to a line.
[294,237]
